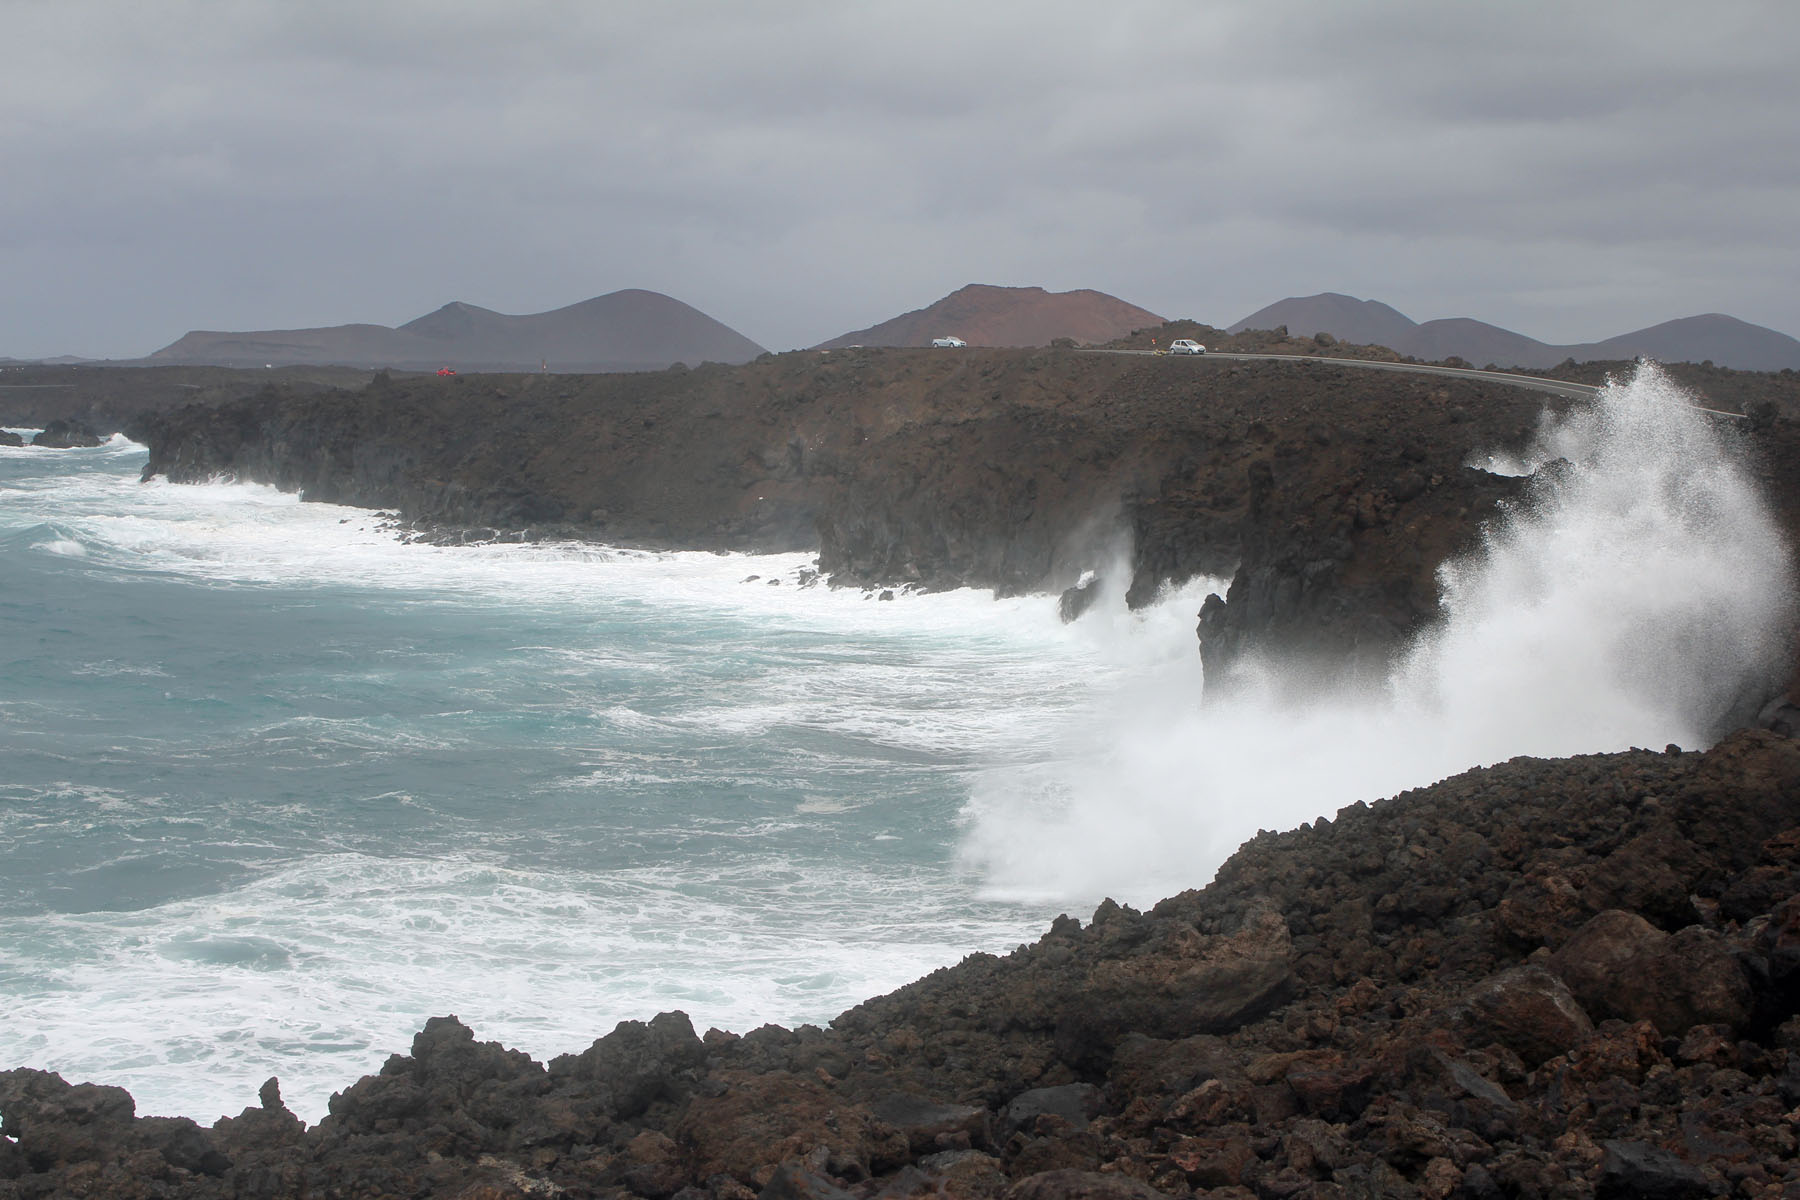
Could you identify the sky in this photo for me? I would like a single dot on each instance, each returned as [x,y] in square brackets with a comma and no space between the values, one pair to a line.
[800,169]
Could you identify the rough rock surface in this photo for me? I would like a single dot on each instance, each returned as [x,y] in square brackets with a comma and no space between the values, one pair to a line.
[1332,494]
[1327,496]
[1407,1000]
[64,435]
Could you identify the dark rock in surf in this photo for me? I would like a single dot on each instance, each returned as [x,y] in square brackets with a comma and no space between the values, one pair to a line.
[9,438]
[1780,715]
[1078,599]
[66,435]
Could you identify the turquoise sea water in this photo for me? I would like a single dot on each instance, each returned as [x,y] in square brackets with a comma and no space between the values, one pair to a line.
[278,787]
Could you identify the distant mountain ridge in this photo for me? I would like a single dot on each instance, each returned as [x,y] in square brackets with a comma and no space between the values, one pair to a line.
[628,330]
[1726,341]
[984,314]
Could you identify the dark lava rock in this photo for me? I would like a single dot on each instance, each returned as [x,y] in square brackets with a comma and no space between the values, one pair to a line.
[1080,1185]
[9,438]
[792,1182]
[1072,1103]
[1622,966]
[1637,1171]
[1530,1011]
[1078,599]
[1010,469]
[638,1064]
[929,1125]
[65,435]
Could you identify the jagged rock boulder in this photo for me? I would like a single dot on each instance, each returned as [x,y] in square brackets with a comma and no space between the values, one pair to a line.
[1622,966]
[636,1065]
[1530,1011]
[87,1131]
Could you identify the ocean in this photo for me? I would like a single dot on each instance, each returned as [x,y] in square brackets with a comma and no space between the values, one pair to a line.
[278,785]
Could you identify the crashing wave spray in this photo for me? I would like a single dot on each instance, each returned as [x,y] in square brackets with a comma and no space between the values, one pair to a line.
[1641,595]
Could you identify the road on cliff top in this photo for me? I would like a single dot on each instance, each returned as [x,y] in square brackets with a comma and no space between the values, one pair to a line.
[1536,383]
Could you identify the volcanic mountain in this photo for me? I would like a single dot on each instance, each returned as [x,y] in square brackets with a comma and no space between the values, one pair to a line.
[1725,341]
[984,315]
[630,330]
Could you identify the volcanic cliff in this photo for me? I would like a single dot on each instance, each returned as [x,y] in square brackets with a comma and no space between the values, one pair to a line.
[1328,496]
[1015,470]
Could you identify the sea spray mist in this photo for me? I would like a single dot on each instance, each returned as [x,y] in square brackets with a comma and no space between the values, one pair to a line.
[1640,594]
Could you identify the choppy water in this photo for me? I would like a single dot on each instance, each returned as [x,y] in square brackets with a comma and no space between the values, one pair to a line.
[275,787]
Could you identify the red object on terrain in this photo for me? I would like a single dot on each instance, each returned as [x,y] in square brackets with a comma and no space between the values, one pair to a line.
[445,371]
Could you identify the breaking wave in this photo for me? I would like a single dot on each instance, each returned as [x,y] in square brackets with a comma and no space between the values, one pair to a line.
[1640,596]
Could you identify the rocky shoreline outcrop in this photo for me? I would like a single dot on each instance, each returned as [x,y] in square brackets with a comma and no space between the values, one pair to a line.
[1546,978]
[1328,496]
[1323,498]
[65,435]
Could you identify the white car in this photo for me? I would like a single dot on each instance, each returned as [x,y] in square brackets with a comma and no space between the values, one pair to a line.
[946,342]
[1186,346]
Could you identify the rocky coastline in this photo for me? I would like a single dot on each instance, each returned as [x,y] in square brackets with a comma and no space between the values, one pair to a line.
[1327,496]
[1324,499]
[1546,978]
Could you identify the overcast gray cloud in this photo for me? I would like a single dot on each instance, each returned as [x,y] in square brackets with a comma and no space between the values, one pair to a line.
[798,169]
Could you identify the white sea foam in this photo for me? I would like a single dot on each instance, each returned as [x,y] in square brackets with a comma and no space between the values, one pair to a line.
[316,972]
[1637,600]
[321,944]
[237,533]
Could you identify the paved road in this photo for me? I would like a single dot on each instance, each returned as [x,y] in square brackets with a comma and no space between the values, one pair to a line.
[1556,387]
[1536,383]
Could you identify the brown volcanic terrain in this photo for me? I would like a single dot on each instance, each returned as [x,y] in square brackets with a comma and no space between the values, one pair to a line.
[630,330]
[983,315]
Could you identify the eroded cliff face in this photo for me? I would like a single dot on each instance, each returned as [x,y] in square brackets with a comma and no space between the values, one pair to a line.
[1329,496]
[1538,979]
